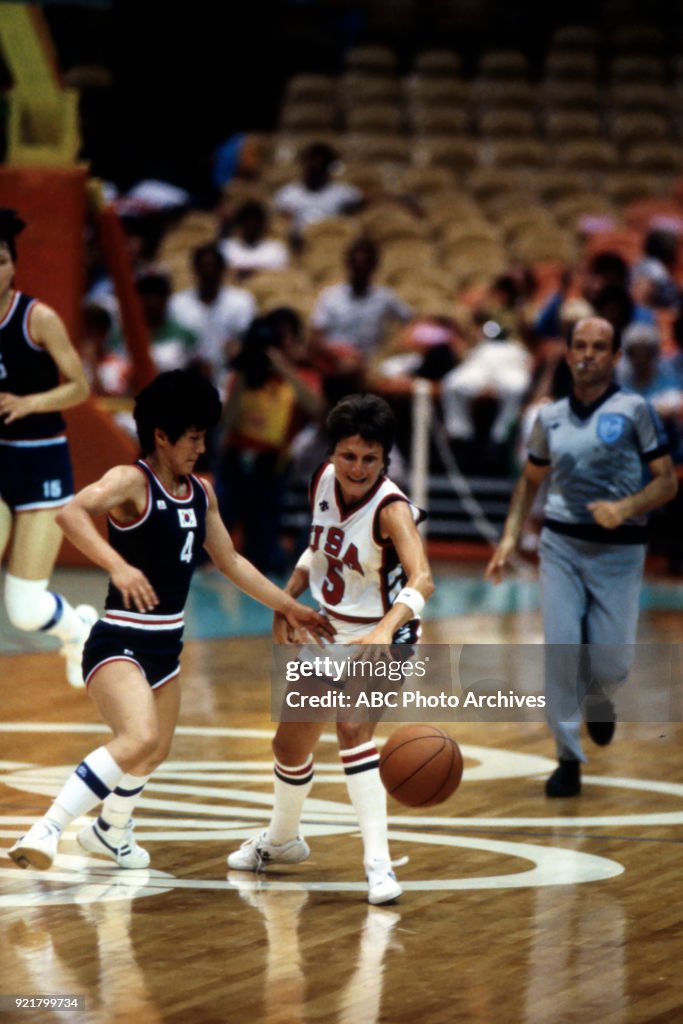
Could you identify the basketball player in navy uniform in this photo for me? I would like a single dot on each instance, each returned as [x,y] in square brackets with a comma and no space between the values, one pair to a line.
[592,447]
[160,516]
[35,469]
[367,568]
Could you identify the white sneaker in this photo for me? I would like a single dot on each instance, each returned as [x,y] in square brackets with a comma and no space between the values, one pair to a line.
[129,854]
[382,884]
[254,854]
[37,849]
[72,650]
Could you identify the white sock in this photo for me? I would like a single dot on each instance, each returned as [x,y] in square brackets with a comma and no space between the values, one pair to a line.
[369,798]
[291,787]
[117,809]
[32,607]
[69,625]
[89,784]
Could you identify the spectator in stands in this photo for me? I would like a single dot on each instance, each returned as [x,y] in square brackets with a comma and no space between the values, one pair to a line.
[350,319]
[615,304]
[674,363]
[247,247]
[173,346]
[642,369]
[107,372]
[273,393]
[652,281]
[217,314]
[143,228]
[482,396]
[605,269]
[429,347]
[316,196]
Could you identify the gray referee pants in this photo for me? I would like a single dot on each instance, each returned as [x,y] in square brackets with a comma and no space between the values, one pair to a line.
[590,599]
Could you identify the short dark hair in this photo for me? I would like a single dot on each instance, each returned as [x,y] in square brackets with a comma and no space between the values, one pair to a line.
[175,402]
[617,297]
[319,151]
[208,249]
[364,244]
[154,282]
[610,265]
[250,209]
[367,415]
[11,225]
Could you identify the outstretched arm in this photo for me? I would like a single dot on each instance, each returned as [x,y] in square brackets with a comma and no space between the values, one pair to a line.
[397,525]
[246,576]
[520,504]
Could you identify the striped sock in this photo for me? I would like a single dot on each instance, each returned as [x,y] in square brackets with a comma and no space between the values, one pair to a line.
[369,798]
[89,784]
[118,807]
[291,787]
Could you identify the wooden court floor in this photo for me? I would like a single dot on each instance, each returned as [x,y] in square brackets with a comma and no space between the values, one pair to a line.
[517,909]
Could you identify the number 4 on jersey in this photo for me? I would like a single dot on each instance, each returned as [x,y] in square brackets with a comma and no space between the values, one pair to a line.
[186,553]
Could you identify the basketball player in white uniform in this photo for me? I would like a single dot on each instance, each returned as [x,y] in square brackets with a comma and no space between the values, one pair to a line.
[367,568]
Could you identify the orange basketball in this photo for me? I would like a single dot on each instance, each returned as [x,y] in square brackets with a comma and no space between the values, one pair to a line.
[420,765]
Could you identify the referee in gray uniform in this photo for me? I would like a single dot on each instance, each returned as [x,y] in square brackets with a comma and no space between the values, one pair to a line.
[592,446]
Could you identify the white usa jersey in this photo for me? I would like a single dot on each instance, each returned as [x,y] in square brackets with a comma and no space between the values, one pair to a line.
[355,573]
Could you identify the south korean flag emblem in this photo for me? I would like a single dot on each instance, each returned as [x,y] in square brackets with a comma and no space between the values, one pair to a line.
[187,518]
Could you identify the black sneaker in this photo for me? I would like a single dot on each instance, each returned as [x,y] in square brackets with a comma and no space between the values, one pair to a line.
[565,780]
[601,721]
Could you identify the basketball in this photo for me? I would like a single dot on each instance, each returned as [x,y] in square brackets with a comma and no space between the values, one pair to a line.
[420,765]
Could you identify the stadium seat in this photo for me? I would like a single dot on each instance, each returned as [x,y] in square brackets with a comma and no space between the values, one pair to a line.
[375,117]
[635,68]
[458,154]
[593,155]
[371,60]
[582,38]
[314,88]
[438,63]
[506,123]
[571,66]
[429,120]
[628,129]
[307,116]
[563,125]
[503,65]
[655,157]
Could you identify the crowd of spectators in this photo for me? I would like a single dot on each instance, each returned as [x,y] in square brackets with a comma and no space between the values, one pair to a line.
[279,356]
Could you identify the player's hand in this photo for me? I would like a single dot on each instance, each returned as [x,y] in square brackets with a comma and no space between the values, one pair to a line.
[283,633]
[15,407]
[607,513]
[495,570]
[320,628]
[134,587]
[380,636]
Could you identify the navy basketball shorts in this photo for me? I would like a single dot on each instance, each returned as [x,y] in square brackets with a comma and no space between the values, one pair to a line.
[156,652]
[35,474]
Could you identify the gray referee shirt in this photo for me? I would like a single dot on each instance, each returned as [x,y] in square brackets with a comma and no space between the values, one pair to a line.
[597,453]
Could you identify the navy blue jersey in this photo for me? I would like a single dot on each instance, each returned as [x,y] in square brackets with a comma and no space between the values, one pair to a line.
[164,543]
[25,369]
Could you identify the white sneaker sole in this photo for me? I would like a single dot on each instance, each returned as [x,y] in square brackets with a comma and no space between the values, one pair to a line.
[30,857]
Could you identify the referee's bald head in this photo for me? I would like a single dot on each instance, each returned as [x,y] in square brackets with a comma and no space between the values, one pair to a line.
[596,328]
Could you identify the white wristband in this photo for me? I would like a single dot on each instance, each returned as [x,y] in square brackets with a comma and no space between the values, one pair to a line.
[413,598]
[305,560]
